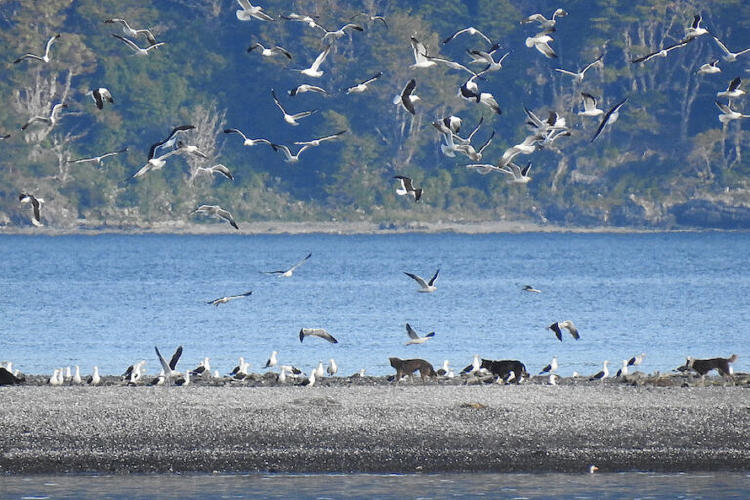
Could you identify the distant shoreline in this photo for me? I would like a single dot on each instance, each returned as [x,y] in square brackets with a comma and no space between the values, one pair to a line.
[397,428]
[335,227]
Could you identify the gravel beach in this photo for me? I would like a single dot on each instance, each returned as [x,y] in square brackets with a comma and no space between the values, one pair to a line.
[376,426]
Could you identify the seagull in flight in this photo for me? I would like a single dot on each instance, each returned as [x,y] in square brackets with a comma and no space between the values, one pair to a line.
[414,338]
[733,90]
[248,11]
[528,146]
[36,204]
[156,162]
[246,141]
[316,142]
[133,32]
[309,20]
[420,55]
[100,95]
[301,89]
[224,300]
[663,52]
[695,29]
[579,76]
[332,36]
[557,327]
[426,286]
[637,359]
[589,106]
[481,57]
[169,141]
[520,175]
[287,273]
[709,68]
[215,169]
[316,332]
[51,119]
[729,56]
[314,70]
[609,118]
[407,187]
[541,43]
[529,288]
[216,211]
[289,157]
[138,51]
[169,368]
[273,51]
[362,86]
[45,58]
[290,119]
[407,98]
[728,114]
[544,23]
[471,30]
[98,159]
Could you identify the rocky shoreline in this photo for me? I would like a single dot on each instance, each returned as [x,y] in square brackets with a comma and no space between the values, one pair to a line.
[371,425]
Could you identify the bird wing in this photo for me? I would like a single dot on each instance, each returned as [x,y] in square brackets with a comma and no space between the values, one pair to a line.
[722,46]
[596,61]
[175,358]
[282,50]
[235,131]
[605,120]
[276,100]
[318,332]
[223,170]
[418,279]
[127,42]
[555,327]
[723,107]
[163,361]
[295,266]
[434,277]
[734,84]
[405,182]
[406,95]
[567,72]
[321,57]
[224,214]
[49,44]
[372,78]
[568,325]
[589,101]
[411,332]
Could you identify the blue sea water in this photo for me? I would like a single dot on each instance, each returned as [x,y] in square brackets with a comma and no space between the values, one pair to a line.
[627,485]
[107,300]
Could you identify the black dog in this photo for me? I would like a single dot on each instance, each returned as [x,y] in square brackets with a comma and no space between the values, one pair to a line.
[503,368]
[7,378]
[703,366]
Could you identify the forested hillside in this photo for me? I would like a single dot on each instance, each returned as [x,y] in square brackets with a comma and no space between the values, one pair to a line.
[668,161]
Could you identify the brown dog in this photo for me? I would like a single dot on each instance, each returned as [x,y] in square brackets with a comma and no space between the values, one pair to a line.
[409,366]
[703,366]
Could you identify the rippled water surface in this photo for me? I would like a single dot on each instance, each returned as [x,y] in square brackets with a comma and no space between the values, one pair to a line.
[107,300]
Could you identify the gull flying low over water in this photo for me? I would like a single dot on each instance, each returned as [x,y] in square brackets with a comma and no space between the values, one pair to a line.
[709,68]
[287,273]
[589,106]
[45,58]
[289,157]
[407,98]
[100,95]
[36,204]
[290,119]
[316,332]
[51,119]
[414,337]
[568,325]
[246,141]
[579,76]
[224,300]
[728,114]
[98,159]
[609,118]
[425,286]
[362,86]
[137,50]
[273,51]
[733,91]
[219,168]
[169,368]
[729,56]
[248,11]
[301,89]
[662,52]
[314,70]
[316,142]
[544,23]
[471,30]
[133,32]
[529,288]
[407,187]
[216,211]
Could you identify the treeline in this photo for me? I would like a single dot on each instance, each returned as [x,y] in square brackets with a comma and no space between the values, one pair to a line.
[667,149]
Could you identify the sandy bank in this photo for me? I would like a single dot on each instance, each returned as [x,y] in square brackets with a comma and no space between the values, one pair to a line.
[378,428]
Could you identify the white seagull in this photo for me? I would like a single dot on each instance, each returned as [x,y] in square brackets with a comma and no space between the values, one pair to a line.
[529,288]
[272,360]
[51,119]
[733,91]
[248,11]
[407,187]
[407,98]
[138,51]
[579,76]
[98,159]
[637,359]
[332,367]
[551,367]
[155,163]
[481,57]
[309,20]
[216,211]
[602,374]
[316,142]
[273,51]
[289,157]
[589,106]
[420,55]
[219,168]
[728,114]
[729,56]
[332,36]
[609,118]
[425,286]
[169,368]
[362,86]
[695,29]
[528,146]
[170,141]
[36,204]
[541,42]
[557,327]
[520,175]
[133,32]
[287,273]
[45,58]
[471,30]
[544,23]
[662,52]
[290,119]
[624,370]
[245,140]
[710,68]
[314,70]
[224,300]
[316,332]
[94,378]
[414,338]
[100,95]
[301,89]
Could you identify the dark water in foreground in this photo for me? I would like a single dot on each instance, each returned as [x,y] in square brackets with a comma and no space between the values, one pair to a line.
[303,486]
